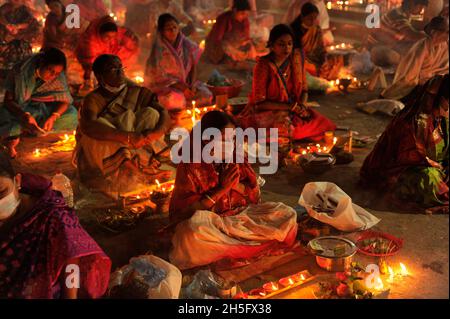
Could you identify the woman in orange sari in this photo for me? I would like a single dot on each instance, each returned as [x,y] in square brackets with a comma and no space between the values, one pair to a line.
[309,37]
[230,36]
[280,92]
[217,205]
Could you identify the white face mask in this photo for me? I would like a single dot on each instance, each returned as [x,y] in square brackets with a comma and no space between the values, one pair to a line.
[113,89]
[8,205]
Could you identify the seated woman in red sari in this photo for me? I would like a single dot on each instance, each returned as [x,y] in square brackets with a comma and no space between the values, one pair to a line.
[42,243]
[230,36]
[103,36]
[410,159]
[280,92]
[217,205]
[172,67]
[309,37]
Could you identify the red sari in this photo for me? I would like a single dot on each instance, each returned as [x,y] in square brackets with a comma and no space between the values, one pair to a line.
[194,180]
[270,85]
[126,46]
[240,227]
[227,32]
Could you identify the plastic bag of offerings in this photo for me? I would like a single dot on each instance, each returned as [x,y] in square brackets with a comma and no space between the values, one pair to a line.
[146,277]
[329,204]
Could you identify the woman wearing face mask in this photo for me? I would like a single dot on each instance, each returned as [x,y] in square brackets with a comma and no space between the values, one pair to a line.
[230,36]
[217,206]
[280,92]
[410,159]
[172,67]
[427,58]
[37,99]
[103,36]
[42,241]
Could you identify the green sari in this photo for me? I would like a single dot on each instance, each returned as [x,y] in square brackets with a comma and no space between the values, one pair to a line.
[427,185]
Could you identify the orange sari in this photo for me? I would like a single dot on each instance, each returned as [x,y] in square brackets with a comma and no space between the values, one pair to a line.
[271,86]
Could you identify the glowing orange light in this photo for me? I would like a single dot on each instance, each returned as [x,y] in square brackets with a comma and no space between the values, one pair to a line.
[403,270]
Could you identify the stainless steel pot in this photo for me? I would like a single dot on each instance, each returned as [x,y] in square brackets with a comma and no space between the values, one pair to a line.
[329,261]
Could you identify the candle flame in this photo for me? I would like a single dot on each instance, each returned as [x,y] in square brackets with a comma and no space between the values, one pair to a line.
[36,49]
[37,152]
[139,79]
[335,140]
[303,152]
[391,274]
[403,270]
[302,278]
[274,288]
[291,282]
[158,183]
[202,44]
[379,284]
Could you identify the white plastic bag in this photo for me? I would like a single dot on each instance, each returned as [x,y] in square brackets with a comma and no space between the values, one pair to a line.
[347,216]
[144,269]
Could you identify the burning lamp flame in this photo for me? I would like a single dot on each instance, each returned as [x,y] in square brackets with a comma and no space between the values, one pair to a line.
[391,274]
[37,153]
[334,140]
[379,284]
[403,270]
[139,79]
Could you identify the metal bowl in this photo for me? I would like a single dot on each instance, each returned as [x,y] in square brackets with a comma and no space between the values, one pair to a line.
[327,259]
[317,163]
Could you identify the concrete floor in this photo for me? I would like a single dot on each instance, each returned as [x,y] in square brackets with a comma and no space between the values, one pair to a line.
[425,251]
